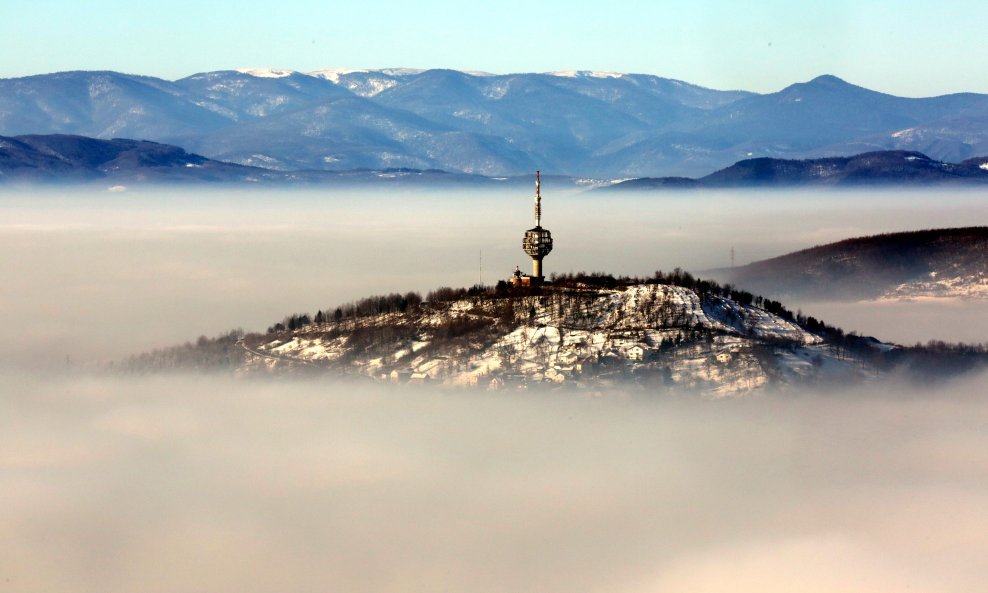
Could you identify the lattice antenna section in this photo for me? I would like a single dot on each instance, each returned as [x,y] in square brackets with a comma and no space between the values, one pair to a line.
[538,200]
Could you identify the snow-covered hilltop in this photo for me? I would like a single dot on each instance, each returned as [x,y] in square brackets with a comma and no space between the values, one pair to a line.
[656,335]
[670,332]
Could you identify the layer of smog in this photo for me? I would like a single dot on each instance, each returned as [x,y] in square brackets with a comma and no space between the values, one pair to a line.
[214,484]
[94,276]
[177,482]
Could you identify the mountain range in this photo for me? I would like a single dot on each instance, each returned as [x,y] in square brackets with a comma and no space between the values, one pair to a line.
[597,124]
[60,158]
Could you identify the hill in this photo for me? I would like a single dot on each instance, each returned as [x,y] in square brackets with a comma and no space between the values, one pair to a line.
[60,157]
[891,167]
[586,332]
[598,124]
[939,262]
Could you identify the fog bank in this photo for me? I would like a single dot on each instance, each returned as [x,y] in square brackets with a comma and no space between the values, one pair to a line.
[95,276]
[908,322]
[207,484]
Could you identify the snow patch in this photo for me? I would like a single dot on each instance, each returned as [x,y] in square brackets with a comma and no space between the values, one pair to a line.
[400,71]
[333,74]
[939,287]
[497,90]
[471,115]
[375,87]
[266,72]
[983,166]
[586,74]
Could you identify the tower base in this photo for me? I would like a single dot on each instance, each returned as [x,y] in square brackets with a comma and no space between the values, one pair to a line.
[519,279]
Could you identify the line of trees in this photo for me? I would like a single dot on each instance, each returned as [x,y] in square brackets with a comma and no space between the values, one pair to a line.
[446,293]
[366,307]
[219,353]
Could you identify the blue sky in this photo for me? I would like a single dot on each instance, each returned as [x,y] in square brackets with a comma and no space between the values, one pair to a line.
[908,47]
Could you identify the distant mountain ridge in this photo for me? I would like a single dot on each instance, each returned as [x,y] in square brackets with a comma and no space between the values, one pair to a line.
[870,168]
[58,157]
[63,158]
[69,158]
[929,263]
[585,123]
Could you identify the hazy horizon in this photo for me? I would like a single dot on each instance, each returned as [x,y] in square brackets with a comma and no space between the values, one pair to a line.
[264,69]
[895,47]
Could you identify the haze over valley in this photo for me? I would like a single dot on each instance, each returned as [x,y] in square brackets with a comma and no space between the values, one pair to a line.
[183,483]
[92,269]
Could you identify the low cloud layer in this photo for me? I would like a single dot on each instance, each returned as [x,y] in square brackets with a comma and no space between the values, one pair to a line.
[165,484]
[210,484]
[94,275]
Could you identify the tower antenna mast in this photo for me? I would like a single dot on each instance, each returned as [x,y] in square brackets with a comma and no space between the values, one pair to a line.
[538,201]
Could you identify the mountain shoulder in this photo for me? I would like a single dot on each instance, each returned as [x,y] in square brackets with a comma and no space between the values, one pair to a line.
[887,167]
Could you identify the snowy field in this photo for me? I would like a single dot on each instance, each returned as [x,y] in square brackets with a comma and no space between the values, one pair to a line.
[165,484]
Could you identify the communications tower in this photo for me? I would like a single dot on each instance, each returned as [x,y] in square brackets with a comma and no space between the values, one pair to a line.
[538,241]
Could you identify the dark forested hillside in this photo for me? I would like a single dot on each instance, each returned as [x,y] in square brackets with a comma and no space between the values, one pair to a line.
[938,262]
[59,157]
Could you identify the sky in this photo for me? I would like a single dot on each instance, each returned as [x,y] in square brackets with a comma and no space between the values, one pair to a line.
[907,47]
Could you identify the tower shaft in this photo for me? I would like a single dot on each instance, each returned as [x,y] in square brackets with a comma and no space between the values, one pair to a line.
[537,242]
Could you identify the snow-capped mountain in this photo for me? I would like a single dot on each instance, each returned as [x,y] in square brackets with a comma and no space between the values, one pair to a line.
[604,124]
